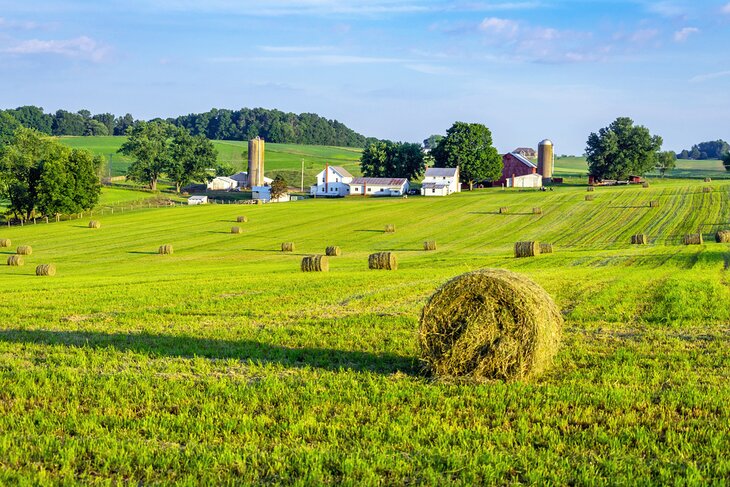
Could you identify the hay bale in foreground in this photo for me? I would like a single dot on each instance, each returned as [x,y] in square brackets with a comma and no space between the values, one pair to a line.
[383,260]
[537,211]
[288,247]
[389,228]
[236,230]
[94,224]
[527,249]
[24,250]
[589,197]
[693,239]
[489,324]
[429,245]
[333,251]
[16,260]
[707,189]
[165,249]
[242,219]
[45,270]
[503,210]
[723,236]
[653,204]
[639,239]
[5,242]
[644,185]
[315,263]
[708,180]
[546,248]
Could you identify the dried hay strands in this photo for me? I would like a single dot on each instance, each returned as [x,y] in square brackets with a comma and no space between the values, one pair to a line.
[333,251]
[5,242]
[527,249]
[546,248]
[383,260]
[654,204]
[503,210]
[242,219]
[537,211]
[489,324]
[288,247]
[429,245]
[723,236]
[16,260]
[693,239]
[639,239]
[315,263]
[45,270]
[390,228]
[25,250]
[589,197]
[236,230]
[94,224]
[644,185]
[165,249]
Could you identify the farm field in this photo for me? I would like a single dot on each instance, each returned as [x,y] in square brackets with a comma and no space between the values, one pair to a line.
[223,363]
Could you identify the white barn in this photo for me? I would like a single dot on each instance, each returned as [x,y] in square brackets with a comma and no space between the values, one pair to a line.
[440,181]
[197,200]
[379,186]
[222,183]
[526,181]
[333,181]
[242,179]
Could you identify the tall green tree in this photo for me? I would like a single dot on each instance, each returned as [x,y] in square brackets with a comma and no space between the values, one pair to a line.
[190,158]
[468,146]
[666,161]
[8,126]
[148,143]
[279,187]
[384,158]
[621,150]
[726,161]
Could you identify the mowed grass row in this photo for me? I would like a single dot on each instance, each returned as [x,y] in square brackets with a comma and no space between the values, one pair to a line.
[224,362]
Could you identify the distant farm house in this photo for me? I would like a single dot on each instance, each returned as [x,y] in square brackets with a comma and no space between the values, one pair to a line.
[525,152]
[222,183]
[440,181]
[519,172]
[333,181]
[379,186]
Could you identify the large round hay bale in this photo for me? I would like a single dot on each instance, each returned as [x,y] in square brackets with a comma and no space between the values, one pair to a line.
[242,219]
[707,189]
[94,224]
[489,324]
[383,260]
[589,197]
[5,242]
[546,248]
[165,249]
[429,245]
[333,251]
[537,211]
[639,239]
[25,250]
[389,228]
[503,210]
[693,239]
[45,270]
[645,185]
[590,189]
[708,180]
[527,249]
[723,236]
[315,263]
[16,260]
[259,202]
[654,204]
[288,247]
[236,230]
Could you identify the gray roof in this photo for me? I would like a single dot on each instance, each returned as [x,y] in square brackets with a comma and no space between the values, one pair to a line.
[434,185]
[523,160]
[380,181]
[341,171]
[440,172]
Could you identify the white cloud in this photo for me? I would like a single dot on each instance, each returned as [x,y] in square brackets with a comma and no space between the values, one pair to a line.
[79,48]
[295,49]
[504,28]
[726,9]
[709,76]
[683,34]
[323,59]
[667,9]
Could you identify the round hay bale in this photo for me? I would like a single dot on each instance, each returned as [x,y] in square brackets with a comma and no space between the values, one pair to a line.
[45,270]
[236,230]
[16,260]
[723,236]
[653,204]
[315,263]
[527,249]
[259,202]
[429,245]
[288,247]
[707,189]
[537,211]
[693,239]
[589,197]
[333,251]
[24,250]
[503,210]
[94,224]
[389,228]
[383,260]
[639,239]
[242,219]
[165,249]
[708,180]
[546,248]
[5,242]
[590,189]
[489,324]
[644,185]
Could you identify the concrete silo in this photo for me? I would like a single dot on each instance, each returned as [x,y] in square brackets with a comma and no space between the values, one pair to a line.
[256,156]
[545,159]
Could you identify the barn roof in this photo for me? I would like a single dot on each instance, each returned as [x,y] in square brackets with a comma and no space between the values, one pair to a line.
[434,185]
[380,181]
[341,171]
[523,160]
[441,172]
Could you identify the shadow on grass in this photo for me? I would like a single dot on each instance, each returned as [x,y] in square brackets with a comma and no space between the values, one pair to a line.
[509,213]
[187,346]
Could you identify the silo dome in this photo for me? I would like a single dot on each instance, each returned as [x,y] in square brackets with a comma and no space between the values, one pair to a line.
[546,142]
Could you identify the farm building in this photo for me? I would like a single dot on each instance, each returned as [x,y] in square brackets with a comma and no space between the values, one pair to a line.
[525,152]
[519,172]
[242,179]
[263,193]
[379,186]
[198,200]
[222,183]
[440,181]
[333,181]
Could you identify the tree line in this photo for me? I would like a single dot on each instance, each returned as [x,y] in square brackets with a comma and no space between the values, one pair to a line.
[716,149]
[222,124]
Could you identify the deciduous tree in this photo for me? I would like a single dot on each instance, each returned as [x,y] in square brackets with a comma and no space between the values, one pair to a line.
[148,143]
[468,146]
[621,150]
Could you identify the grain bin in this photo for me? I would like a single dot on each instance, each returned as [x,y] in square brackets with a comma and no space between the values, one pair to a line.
[256,149]
[545,159]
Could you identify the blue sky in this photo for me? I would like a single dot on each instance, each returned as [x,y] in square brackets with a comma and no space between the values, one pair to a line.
[397,69]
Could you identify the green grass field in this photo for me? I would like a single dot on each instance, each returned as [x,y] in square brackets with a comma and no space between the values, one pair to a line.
[223,363]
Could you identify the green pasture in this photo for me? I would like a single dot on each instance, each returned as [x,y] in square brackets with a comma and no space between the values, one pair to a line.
[224,364]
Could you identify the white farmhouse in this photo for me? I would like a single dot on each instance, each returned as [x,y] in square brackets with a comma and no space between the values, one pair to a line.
[440,181]
[222,183]
[379,186]
[333,181]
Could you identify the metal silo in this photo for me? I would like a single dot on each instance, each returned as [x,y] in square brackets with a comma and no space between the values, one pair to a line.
[256,162]
[545,159]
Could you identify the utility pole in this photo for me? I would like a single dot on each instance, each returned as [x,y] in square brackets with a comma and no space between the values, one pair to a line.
[302,182]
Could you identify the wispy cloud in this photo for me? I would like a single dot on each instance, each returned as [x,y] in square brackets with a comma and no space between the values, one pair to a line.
[683,34]
[726,9]
[79,48]
[322,59]
[20,24]
[296,49]
[710,76]
[670,9]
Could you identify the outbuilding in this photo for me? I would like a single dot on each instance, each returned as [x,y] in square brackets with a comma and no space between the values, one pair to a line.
[519,172]
[222,183]
[198,200]
[379,187]
[334,181]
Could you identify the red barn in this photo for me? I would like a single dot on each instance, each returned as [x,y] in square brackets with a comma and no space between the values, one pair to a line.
[514,166]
